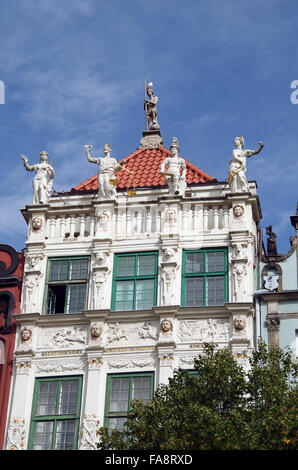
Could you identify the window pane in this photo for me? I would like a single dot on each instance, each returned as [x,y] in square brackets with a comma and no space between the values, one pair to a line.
[78,269]
[68,397]
[43,435]
[47,399]
[144,294]
[146,265]
[215,294]
[124,295]
[141,388]
[76,298]
[194,263]
[58,270]
[215,262]
[65,434]
[119,394]
[117,423]
[194,292]
[126,266]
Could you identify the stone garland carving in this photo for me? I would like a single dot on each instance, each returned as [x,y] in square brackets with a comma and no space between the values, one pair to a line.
[204,330]
[139,363]
[186,361]
[59,365]
[88,434]
[16,434]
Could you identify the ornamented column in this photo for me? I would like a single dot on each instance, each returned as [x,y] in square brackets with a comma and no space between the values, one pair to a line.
[100,273]
[169,268]
[273,325]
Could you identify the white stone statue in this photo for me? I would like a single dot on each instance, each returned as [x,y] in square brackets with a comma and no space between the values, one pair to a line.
[43,179]
[176,170]
[107,167]
[237,179]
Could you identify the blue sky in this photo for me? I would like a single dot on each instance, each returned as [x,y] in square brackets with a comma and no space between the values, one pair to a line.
[74,74]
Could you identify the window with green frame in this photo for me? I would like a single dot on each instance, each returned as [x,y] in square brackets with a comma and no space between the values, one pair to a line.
[55,413]
[204,277]
[121,390]
[134,281]
[66,285]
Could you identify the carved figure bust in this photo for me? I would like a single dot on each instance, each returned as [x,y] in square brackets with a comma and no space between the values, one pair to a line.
[100,257]
[166,326]
[239,324]
[103,219]
[36,224]
[26,335]
[171,216]
[96,331]
[238,211]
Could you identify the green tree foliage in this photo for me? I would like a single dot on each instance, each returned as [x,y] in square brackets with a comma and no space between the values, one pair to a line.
[221,408]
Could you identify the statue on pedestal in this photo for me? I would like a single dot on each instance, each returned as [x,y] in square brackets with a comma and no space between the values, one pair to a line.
[176,173]
[43,179]
[107,167]
[150,106]
[237,179]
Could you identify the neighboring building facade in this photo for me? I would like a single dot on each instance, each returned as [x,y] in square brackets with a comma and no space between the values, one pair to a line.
[123,286]
[11,274]
[277,294]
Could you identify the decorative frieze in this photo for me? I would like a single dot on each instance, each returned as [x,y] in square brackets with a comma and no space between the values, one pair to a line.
[211,329]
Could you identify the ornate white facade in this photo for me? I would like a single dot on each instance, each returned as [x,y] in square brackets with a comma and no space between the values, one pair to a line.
[100,341]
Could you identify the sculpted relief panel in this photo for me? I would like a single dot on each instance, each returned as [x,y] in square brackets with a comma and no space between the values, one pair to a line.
[213,329]
[134,333]
[63,338]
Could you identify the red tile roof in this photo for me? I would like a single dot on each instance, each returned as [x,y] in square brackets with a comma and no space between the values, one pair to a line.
[145,165]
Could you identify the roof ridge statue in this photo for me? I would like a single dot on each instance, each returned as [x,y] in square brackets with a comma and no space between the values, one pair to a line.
[176,170]
[43,179]
[237,180]
[150,106]
[107,167]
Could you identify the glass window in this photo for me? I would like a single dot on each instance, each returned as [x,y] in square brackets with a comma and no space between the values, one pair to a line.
[204,277]
[66,285]
[55,414]
[134,281]
[121,390]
